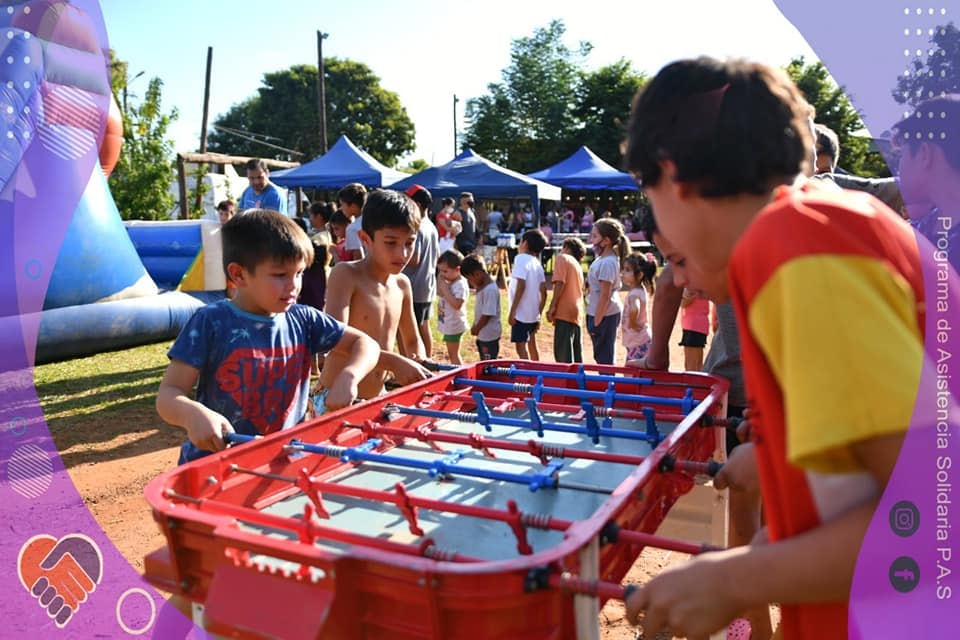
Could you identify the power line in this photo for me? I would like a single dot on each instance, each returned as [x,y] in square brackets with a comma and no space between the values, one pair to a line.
[250,138]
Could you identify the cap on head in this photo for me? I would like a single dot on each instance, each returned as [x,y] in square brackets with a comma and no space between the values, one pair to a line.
[421,195]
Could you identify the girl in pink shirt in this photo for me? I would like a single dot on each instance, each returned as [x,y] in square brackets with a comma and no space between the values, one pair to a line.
[695,322]
[637,274]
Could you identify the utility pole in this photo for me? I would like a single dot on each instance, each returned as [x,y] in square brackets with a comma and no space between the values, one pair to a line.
[206,102]
[127,81]
[198,204]
[322,91]
[455,101]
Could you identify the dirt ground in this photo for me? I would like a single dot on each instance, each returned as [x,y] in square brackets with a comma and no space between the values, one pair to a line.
[112,470]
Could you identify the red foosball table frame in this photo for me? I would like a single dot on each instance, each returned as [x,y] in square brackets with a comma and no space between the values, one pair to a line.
[378,588]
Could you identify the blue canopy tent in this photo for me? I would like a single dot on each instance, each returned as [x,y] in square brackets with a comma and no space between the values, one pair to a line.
[584,170]
[340,166]
[483,178]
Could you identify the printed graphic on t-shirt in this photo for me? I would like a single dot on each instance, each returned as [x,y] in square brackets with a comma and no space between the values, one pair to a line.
[264,382]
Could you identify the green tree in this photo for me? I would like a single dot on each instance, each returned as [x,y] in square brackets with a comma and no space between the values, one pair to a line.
[939,74]
[528,120]
[547,105]
[285,112]
[604,98]
[835,111]
[491,130]
[141,180]
[415,166]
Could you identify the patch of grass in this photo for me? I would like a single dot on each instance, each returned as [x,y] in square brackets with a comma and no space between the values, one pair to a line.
[104,403]
[99,383]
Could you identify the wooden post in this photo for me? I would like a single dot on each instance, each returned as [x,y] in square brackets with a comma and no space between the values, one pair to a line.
[203,130]
[182,186]
[586,609]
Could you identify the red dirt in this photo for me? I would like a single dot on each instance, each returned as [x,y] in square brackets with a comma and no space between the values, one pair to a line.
[111,472]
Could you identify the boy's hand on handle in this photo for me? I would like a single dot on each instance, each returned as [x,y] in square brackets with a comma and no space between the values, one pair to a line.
[342,392]
[646,363]
[692,600]
[206,429]
[740,472]
[407,371]
[743,429]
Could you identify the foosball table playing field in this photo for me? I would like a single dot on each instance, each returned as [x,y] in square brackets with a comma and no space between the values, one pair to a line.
[497,500]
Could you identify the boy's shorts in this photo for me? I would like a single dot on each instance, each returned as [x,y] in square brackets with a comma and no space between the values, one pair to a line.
[521,331]
[318,400]
[452,337]
[489,350]
[639,352]
[421,312]
[693,339]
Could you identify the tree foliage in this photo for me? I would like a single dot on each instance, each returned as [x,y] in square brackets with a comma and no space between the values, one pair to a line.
[415,166]
[547,105]
[285,110]
[835,110]
[140,181]
[604,98]
[939,74]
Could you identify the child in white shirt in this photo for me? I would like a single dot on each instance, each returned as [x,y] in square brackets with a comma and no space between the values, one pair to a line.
[451,302]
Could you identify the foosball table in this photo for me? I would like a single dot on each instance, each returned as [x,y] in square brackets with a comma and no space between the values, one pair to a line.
[497,500]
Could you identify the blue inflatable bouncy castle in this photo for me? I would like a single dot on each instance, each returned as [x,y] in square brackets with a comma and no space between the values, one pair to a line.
[56,102]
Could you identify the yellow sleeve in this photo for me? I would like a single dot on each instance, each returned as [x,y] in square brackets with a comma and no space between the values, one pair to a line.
[840,334]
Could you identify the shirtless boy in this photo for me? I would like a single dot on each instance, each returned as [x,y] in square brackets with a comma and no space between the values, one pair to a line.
[373,296]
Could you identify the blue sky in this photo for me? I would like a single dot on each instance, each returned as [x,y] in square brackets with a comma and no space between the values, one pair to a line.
[425,51]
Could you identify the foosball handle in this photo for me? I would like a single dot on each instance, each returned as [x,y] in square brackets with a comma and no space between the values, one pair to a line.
[239,438]
[436,367]
[570,583]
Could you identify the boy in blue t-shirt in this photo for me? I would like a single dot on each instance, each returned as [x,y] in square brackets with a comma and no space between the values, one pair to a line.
[249,357]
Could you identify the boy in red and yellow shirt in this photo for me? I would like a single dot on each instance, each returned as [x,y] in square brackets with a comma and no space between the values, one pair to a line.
[829,298]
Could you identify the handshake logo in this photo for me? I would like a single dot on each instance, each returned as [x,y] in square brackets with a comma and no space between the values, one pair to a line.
[60,574]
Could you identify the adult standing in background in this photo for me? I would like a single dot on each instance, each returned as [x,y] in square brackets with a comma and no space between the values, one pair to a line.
[494,222]
[422,267]
[261,194]
[466,242]
[929,172]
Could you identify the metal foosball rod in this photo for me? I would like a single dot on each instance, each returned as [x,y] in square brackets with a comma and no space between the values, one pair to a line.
[445,467]
[541,450]
[519,521]
[308,530]
[581,377]
[486,419]
[577,413]
[609,397]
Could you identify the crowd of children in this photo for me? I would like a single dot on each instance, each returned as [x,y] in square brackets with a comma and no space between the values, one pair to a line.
[384,295]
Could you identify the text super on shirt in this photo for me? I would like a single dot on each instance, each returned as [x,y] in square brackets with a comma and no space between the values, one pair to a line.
[254,370]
